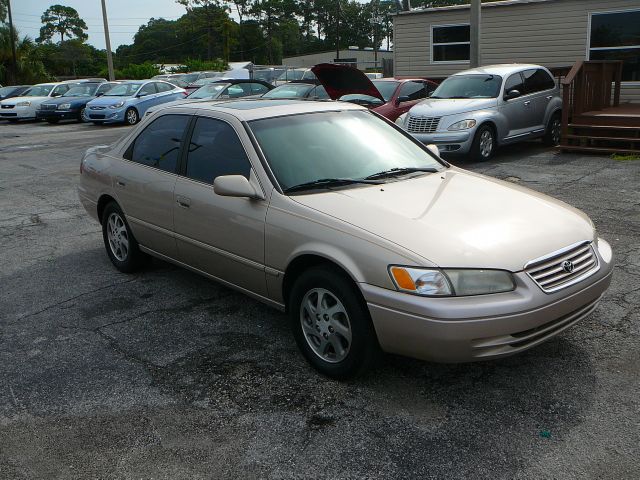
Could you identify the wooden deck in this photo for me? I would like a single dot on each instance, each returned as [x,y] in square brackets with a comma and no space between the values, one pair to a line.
[593,119]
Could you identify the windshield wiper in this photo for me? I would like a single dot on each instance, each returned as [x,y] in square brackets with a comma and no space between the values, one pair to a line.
[401,171]
[328,182]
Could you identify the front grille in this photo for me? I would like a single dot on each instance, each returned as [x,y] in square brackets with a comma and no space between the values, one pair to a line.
[563,268]
[97,108]
[8,106]
[422,124]
[95,116]
[48,106]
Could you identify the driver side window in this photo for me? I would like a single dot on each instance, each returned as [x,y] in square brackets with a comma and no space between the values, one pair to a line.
[514,82]
[413,90]
[148,89]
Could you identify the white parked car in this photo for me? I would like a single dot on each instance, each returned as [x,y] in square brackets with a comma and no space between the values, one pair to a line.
[25,106]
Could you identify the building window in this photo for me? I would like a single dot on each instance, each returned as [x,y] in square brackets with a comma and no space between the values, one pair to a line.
[450,43]
[616,36]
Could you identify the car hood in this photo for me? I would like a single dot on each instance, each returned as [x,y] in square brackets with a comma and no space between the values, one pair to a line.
[440,107]
[14,100]
[339,80]
[459,219]
[105,101]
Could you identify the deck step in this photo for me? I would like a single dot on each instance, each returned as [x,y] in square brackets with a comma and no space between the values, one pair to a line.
[610,127]
[612,139]
[597,149]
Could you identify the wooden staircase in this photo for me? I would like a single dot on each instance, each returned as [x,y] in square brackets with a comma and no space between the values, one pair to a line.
[593,120]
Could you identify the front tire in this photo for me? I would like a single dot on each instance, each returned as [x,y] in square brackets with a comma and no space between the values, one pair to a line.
[122,247]
[131,116]
[553,133]
[484,144]
[331,323]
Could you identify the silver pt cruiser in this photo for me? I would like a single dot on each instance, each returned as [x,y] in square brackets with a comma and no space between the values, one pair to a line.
[475,111]
[363,235]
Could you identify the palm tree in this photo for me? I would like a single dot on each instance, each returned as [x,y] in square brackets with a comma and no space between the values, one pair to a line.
[30,68]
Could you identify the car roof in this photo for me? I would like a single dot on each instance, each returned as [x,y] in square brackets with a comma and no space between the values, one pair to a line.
[247,109]
[502,69]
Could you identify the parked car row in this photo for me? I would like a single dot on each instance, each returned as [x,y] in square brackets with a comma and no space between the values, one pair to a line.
[472,112]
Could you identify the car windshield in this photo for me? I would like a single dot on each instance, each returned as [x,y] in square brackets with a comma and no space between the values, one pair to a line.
[209,91]
[336,145]
[123,90]
[190,77]
[84,90]
[290,90]
[7,90]
[386,88]
[291,75]
[204,81]
[469,86]
[38,91]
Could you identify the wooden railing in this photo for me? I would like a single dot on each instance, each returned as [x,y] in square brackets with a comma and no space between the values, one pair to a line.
[587,87]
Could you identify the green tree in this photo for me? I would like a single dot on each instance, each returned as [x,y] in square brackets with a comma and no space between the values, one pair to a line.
[61,20]
[30,68]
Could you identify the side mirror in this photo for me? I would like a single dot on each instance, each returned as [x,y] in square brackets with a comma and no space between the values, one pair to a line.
[511,94]
[403,98]
[55,95]
[99,94]
[434,149]
[234,186]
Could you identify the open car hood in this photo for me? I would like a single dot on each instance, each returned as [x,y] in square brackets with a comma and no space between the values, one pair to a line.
[339,80]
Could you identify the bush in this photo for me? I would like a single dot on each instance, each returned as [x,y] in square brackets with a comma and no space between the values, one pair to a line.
[195,65]
[133,71]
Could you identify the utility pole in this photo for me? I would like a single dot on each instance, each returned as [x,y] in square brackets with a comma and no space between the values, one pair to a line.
[337,29]
[14,62]
[375,20]
[475,60]
[107,42]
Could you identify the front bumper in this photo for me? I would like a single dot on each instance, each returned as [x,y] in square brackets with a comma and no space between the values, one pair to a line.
[466,329]
[58,114]
[448,142]
[17,113]
[108,115]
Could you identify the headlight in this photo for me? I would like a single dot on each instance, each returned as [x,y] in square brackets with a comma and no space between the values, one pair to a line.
[463,125]
[23,104]
[401,120]
[117,105]
[450,282]
[64,106]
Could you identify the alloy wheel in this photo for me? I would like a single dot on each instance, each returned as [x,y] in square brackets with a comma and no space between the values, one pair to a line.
[486,143]
[132,117]
[556,128]
[118,237]
[325,325]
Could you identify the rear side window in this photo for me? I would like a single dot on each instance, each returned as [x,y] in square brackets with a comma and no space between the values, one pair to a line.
[537,81]
[413,90]
[238,90]
[163,87]
[159,144]
[319,92]
[215,150]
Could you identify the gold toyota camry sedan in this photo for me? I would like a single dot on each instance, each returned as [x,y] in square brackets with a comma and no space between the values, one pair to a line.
[365,237]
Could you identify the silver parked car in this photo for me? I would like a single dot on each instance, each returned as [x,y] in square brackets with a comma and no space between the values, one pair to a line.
[475,111]
[363,235]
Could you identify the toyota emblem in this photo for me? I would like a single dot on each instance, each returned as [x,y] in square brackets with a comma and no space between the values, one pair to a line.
[567,266]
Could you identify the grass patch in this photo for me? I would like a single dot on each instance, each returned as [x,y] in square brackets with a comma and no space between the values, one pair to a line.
[625,158]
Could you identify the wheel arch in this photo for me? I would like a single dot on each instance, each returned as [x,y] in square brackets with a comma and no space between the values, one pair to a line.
[305,261]
[103,201]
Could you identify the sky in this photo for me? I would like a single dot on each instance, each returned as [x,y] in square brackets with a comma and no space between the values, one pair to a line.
[125,16]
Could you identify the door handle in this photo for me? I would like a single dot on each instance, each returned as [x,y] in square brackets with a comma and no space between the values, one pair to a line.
[549,97]
[184,202]
[527,103]
[120,183]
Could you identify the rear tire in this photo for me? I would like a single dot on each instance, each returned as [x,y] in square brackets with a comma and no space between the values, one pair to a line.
[553,133]
[122,247]
[484,144]
[331,323]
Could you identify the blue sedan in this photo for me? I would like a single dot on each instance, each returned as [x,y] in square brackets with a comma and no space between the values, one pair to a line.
[129,101]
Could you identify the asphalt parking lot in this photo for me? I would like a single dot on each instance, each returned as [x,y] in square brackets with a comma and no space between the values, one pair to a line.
[164,374]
